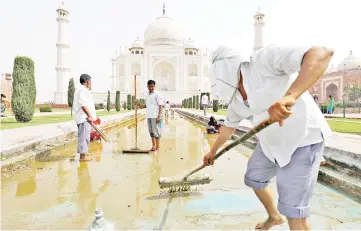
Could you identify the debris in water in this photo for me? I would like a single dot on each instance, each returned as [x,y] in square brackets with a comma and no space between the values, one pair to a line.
[128,206]
[100,223]
[181,158]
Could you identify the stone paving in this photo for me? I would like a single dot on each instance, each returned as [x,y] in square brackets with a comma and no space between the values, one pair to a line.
[10,138]
[342,141]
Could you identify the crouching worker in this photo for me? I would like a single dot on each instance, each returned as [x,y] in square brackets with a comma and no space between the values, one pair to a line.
[85,114]
[212,126]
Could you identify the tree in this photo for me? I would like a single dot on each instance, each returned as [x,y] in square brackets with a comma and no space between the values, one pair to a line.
[132,103]
[129,104]
[124,105]
[194,101]
[190,102]
[353,93]
[24,89]
[71,90]
[215,105]
[197,102]
[117,100]
[109,106]
[201,106]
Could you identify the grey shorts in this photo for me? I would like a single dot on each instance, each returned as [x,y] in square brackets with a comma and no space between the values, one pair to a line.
[153,128]
[84,130]
[295,181]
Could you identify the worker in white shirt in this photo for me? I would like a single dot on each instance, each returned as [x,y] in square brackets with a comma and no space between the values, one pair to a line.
[166,109]
[154,104]
[84,109]
[273,82]
[205,102]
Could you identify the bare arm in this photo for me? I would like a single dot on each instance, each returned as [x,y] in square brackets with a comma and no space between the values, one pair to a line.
[222,138]
[86,111]
[160,111]
[314,65]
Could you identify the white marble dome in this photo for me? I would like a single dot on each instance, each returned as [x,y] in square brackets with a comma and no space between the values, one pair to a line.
[164,28]
[350,62]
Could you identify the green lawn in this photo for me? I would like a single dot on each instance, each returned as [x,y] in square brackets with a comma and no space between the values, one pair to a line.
[9,123]
[352,126]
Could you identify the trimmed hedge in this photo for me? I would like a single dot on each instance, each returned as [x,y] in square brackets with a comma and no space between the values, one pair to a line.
[24,89]
[97,107]
[45,108]
[215,105]
[117,101]
[71,90]
[109,106]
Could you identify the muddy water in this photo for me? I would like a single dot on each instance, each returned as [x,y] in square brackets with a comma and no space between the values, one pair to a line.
[59,192]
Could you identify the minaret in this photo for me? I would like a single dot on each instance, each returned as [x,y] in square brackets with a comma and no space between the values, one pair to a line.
[62,67]
[258,30]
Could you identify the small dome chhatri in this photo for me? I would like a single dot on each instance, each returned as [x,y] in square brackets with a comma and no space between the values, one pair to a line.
[351,62]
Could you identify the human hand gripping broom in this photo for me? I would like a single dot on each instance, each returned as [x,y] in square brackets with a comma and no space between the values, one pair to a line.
[185,183]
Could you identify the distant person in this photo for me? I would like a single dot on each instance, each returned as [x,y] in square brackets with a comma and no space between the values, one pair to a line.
[105,105]
[3,105]
[212,126]
[84,109]
[154,104]
[172,113]
[331,104]
[205,102]
[166,109]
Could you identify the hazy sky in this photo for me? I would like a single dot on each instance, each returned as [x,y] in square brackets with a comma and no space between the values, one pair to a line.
[99,27]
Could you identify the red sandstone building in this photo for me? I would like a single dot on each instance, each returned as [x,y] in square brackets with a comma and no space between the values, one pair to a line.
[347,74]
[7,85]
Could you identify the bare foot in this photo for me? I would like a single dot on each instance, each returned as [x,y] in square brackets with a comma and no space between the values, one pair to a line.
[270,222]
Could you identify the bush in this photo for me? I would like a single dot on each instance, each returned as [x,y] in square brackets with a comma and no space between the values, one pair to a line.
[124,105]
[132,102]
[197,102]
[101,106]
[215,105]
[71,90]
[349,104]
[97,106]
[129,104]
[24,89]
[109,106]
[117,101]
[45,108]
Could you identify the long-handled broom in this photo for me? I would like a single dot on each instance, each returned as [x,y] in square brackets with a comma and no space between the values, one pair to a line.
[136,150]
[105,138]
[184,183]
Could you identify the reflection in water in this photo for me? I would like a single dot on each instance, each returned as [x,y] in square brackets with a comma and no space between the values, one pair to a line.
[64,195]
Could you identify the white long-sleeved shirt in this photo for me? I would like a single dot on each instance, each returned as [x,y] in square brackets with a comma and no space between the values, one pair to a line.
[83,97]
[267,75]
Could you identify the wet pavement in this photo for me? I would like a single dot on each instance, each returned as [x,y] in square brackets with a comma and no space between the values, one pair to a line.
[59,192]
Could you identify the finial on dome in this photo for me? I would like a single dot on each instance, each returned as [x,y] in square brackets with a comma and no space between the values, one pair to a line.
[163,8]
[259,9]
[138,37]
[350,52]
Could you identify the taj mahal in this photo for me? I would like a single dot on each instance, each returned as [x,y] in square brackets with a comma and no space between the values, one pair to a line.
[179,67]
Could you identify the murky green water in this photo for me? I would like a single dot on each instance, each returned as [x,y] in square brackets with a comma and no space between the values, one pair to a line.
[59,192]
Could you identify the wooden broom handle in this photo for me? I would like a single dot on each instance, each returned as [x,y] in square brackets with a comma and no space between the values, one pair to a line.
[136,112]
[265,123]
